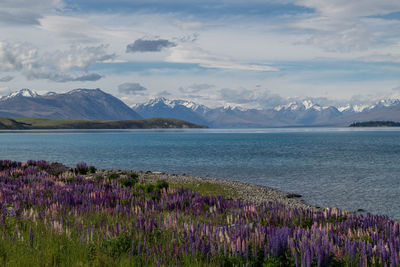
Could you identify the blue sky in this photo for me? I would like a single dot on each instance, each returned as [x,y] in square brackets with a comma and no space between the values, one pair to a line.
[264,52]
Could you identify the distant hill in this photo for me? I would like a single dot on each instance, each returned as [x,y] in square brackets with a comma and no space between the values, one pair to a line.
[39,123]
[85,104]
[375,124]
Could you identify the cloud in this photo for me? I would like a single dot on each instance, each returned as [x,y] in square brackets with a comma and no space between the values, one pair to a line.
[382,58]
[345,8]
[141,45]
[164,93]
[91,77]
[346,26]
[195,88]
[188,25]
[255,98]
[6,78]
[131,89]
[26,12]
[4,91]
[80,57]
[205,59]
[62,77]
[52,66]
[187,38]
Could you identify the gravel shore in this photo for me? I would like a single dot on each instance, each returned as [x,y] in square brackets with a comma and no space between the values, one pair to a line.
[247,192]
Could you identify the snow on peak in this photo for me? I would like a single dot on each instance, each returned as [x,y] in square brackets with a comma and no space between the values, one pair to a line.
[174,103]
[387,102]
[155,101]
[303,105]
[308,104]
[188,104]
[357,108]
[25,92]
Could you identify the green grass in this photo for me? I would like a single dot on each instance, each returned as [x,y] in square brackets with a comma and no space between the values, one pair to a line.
[41,123]
[6,123]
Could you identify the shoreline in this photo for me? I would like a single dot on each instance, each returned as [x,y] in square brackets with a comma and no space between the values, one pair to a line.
[232,189]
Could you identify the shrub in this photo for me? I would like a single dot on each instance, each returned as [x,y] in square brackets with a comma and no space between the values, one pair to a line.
[82,168]
[161,184]
[113,176]
[117,246]
[92,169]
[134,176]
[149,188]
[127,182]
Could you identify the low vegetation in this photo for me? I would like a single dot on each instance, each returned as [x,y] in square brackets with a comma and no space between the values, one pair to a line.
[375,124]
[52,215]
[40,123]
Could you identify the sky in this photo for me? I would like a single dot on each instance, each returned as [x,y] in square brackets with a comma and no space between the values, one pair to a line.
[252,53]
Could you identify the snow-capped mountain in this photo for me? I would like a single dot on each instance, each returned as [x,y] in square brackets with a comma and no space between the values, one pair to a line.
[177,109]
[93,104]
[300,106]
[295,113]
[25,92]
[304,113]
[384,103]
[173,103]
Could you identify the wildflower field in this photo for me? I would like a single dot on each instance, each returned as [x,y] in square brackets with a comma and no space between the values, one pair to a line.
[53,215]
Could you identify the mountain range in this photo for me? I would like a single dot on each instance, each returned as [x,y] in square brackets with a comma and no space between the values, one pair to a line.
[94,104]
[298,113]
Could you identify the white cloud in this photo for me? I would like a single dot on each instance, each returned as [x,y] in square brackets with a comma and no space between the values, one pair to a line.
[131,89]
[389,57]
[253,98]
[196,88]
[196,55]
[341,9]
[27,59]
[6,78]
[345,26]
[81,57]
[189,25]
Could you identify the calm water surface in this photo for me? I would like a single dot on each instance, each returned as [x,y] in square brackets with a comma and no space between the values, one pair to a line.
[347,168]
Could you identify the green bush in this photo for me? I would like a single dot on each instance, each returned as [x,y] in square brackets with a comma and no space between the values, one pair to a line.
[92,169]
[82,168]
[115,247]
[113,176]
[161,184]
[127,182]
[134,175]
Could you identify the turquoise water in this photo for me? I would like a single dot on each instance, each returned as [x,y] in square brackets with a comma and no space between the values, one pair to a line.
[347,168]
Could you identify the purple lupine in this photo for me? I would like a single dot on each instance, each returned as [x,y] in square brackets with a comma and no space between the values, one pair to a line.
[269,227]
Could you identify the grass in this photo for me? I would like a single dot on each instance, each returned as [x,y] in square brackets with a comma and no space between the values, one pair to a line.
[41,123]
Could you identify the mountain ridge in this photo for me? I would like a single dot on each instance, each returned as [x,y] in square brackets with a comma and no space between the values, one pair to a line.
[94,104]
[295,113]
